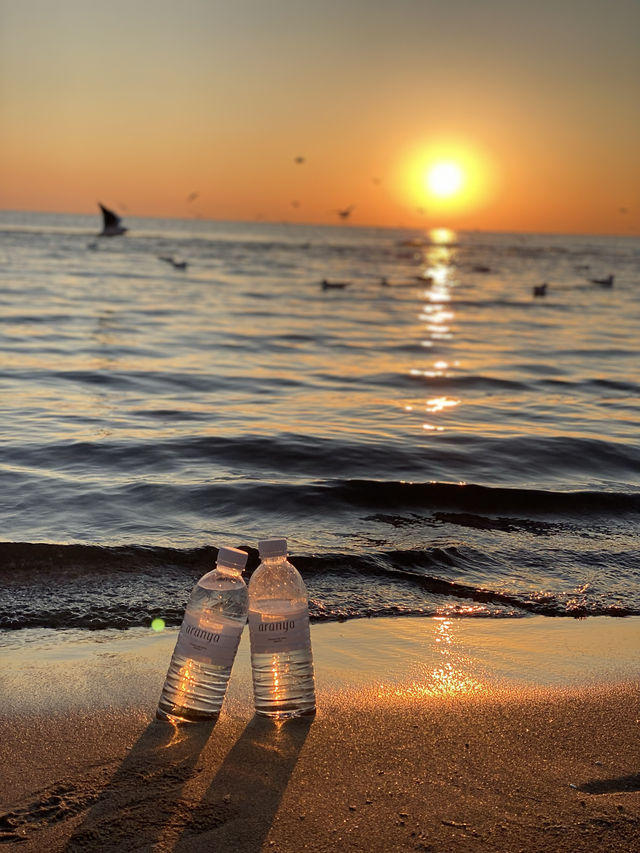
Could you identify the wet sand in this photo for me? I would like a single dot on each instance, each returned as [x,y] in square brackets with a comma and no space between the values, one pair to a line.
[430,735]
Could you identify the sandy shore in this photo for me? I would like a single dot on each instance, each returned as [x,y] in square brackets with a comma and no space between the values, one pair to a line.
[431,735]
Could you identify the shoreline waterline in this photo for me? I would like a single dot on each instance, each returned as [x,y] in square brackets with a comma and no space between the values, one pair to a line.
[409,657]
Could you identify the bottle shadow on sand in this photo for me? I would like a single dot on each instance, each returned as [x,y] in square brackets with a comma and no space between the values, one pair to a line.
[144,802]
[238,809]
[144,794]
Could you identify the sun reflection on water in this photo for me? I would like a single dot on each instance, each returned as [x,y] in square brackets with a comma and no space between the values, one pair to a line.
[439,404]
[445,677]
[437,315]
[442,236]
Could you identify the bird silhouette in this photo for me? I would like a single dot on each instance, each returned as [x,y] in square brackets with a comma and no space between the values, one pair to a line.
[603,282]
[298,160]
[111,226]
[334,285]
[345,212]
[179,265]
[540,289]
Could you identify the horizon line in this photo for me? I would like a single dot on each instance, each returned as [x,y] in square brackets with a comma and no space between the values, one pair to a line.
[346,226]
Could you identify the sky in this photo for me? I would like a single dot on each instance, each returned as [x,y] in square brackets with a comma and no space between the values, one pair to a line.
[199,108]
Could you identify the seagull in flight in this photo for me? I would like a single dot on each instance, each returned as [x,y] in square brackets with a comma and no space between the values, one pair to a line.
[111,226]
[345,212]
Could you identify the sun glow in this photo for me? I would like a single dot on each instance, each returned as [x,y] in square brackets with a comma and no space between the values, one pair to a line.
[444,179]
[447,179]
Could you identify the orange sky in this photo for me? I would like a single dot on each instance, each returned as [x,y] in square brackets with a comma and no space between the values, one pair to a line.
[139,104]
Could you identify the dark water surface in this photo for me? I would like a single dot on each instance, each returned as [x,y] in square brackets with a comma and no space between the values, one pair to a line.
[454,448]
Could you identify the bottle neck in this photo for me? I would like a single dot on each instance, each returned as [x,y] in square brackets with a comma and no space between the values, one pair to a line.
[228,570]
[270,561]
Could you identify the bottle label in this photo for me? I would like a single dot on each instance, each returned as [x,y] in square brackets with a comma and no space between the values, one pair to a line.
[214,641]
[283,633]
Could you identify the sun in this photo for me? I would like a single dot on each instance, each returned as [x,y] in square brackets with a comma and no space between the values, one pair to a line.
[449,179]
[444,179]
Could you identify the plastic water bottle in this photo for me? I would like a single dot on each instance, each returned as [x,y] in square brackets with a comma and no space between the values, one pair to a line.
[281,659]
[199,671]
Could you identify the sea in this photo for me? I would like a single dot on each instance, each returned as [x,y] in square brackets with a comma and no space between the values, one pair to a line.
[431,437]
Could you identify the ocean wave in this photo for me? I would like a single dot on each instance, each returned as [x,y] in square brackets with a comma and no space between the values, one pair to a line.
[91,587]
[283,460]
[484,499]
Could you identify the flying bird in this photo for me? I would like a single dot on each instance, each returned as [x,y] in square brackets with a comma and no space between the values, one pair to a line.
[192,197]
[111,226]
[298,160]
[540,289]
[345,212]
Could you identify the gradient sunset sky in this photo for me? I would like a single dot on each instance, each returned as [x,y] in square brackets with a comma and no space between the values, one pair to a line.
[142,103]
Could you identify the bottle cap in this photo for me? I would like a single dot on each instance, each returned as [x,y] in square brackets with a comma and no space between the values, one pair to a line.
[272,547]
[233,558]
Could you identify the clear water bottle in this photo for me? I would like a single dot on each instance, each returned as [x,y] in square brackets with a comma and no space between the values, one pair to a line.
[199,671]
[281,660]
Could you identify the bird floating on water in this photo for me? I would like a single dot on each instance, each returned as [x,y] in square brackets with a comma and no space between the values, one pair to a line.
[334,285]
[603,282]
[179,265]
[385,282]
[111,226]
[540,289]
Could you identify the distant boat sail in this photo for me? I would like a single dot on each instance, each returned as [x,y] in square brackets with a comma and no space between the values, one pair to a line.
[111,223]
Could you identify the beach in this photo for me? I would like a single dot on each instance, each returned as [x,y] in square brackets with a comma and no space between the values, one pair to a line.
[431,734]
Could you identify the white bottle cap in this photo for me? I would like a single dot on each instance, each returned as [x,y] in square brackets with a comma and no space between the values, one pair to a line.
[272,547]
[233,558]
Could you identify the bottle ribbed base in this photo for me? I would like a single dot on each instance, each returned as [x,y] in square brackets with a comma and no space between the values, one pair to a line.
[287,715]
[283,685]
[179,714]
[193,692]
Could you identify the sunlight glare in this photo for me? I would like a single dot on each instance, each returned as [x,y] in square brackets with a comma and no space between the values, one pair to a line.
[444,179]
[442,236]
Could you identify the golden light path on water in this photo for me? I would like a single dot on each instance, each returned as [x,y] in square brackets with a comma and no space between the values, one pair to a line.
[437,317]
[448,677]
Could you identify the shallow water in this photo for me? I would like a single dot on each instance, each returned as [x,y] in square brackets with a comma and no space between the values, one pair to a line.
[453,448]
